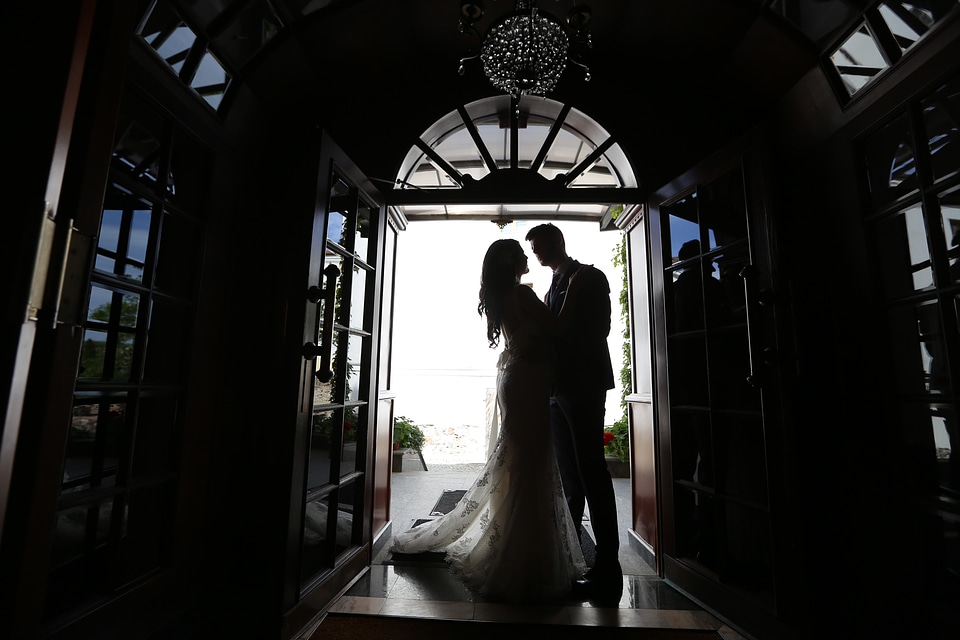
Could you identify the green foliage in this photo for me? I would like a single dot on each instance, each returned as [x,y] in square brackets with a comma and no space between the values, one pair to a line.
[408,434]
[620,445]
[93,353]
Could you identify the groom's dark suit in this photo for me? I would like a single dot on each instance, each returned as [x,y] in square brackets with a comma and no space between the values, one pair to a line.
[584,374]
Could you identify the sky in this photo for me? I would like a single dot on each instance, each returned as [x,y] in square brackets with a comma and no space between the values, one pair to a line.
[443,369]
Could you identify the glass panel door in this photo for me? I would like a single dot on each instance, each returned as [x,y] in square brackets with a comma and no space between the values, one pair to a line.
[721,514]
[335,499]
[115,517]
[911,171]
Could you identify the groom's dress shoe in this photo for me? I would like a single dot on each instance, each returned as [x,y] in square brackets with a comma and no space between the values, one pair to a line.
[604,591]
[581,590]
[602,585]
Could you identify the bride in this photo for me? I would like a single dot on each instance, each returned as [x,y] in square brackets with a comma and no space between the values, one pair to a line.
[511,536]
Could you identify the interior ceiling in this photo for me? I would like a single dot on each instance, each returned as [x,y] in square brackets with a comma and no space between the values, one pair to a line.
[671,79]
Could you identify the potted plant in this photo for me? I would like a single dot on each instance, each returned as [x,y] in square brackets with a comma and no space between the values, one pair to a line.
[617,449]
[407,435]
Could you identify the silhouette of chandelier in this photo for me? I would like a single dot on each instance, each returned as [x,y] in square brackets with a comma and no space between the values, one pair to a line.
[527,50]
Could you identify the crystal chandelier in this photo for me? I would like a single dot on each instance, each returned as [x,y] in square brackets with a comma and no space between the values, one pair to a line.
[526,51]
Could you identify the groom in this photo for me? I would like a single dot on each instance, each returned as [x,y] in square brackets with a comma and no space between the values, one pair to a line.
[577,405]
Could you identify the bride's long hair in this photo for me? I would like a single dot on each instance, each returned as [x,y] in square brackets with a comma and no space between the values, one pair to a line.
[498,276]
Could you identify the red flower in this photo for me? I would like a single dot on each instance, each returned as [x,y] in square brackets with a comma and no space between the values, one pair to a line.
[607,437]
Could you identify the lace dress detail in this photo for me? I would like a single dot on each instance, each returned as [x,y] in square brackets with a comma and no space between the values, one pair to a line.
[511,536]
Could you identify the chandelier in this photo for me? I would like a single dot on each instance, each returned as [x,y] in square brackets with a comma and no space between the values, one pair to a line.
[526,51]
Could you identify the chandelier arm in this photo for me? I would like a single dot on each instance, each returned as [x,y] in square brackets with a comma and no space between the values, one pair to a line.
[469,28]
[586,69]
[462,69]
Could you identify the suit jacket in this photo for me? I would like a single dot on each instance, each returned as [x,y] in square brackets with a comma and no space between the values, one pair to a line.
[583,357]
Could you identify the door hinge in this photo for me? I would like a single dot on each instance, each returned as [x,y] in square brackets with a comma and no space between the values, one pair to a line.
[42,263]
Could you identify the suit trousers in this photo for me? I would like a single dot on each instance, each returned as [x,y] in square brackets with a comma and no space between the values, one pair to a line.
[577,423]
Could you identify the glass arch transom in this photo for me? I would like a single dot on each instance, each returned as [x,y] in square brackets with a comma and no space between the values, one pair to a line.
[451,139]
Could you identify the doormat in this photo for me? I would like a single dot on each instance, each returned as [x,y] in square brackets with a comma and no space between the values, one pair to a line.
[448,500]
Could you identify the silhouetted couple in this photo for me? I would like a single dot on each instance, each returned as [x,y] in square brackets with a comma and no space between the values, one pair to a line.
[515,534]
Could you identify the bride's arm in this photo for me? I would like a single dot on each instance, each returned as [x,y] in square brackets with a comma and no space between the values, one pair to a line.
[531,306]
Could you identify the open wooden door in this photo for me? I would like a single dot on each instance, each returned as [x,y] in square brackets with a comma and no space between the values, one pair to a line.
[332,497]
[718,388]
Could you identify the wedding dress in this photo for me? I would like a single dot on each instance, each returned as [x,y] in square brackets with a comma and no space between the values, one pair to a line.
[511,536]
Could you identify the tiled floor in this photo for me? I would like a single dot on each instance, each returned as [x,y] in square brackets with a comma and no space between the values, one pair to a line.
[432,591]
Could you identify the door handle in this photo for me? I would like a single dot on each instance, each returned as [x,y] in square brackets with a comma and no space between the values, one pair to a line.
[324,350]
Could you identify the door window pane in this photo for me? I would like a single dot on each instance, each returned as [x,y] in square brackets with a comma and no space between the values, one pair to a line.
[918,348]
[124,234]
[189,174]
[349,503]
[683,224]
[336,222]
[723,210]
[138,241]
[93,443]
[946,442]
[352,437]
[158,431]
[691,445]
[941,115]
[925,429]
[728,353]
[746,557]
[355,368]
[109,335]
[326,531]
[146,530]
[358,292]
[166,352]
[321,440]
[686,291]
[696,526]
[687,357]
[361,241]
[891,163]
[950,214]
[178,257]
[725,299]
[903,255]
[78,538]
[137,148]
[741,465]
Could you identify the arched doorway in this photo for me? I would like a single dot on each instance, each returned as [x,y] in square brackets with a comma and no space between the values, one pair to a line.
[511,161]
